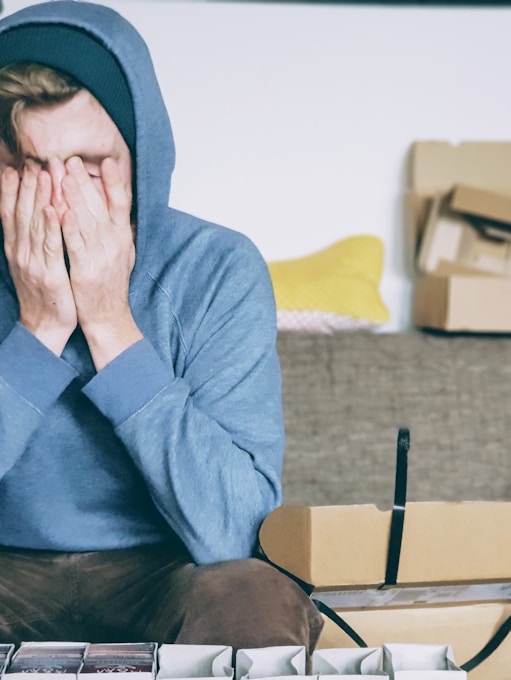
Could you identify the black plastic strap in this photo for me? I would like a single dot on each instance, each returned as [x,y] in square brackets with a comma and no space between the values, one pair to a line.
[321,606]
[339,621]
[396,533]
[398,511]
[489,647]
[304,585]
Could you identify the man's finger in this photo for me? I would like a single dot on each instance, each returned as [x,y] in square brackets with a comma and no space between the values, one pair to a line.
[42,200]
[26,200]
[9,186]
[53,248]
[81,194]
[118,196]
[72,235]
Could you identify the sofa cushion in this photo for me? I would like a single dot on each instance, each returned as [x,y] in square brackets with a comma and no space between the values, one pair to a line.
[346,395]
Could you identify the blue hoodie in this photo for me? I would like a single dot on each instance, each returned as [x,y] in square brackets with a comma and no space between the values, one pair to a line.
[183,432]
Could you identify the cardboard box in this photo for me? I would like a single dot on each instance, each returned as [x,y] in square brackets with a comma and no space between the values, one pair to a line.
[483,168]
[465,627]
[346,545]
[452,238]
[457,303]
[453,581]
[437,166]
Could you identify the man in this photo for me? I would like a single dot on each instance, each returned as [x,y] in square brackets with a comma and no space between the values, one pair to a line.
[141,434]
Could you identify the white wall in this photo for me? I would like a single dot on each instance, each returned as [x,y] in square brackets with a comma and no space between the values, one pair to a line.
[293,121]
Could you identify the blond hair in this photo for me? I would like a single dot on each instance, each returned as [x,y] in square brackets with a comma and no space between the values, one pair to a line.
[29,85]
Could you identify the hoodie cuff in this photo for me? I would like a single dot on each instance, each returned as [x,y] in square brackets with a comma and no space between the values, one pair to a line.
[129,382]
[32,370]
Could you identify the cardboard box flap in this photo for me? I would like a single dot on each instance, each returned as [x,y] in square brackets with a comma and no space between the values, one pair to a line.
[435,166]
[456,542]
[343,546]
[326,545]
[481,203]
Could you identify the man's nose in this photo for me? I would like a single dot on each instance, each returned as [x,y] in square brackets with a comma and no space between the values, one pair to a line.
[57,171]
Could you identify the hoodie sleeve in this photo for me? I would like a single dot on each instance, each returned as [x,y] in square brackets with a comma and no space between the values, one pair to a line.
[31,380]
[209,443]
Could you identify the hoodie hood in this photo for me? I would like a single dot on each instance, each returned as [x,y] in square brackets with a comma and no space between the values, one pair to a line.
[154,153]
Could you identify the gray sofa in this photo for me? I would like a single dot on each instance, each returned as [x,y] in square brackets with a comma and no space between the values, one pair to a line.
[346,395]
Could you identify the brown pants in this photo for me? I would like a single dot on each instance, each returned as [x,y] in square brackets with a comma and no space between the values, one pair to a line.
[152,593]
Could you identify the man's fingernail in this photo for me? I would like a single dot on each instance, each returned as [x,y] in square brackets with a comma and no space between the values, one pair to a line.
[73,163]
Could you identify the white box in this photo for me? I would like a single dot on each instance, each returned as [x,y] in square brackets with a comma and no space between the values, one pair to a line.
[421,662]
[46,659]
[194,661]
[122,661]
[6,652]
[348,663]
[271,662]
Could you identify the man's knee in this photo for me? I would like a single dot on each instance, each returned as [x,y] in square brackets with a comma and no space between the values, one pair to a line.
[249,581]
[249,603]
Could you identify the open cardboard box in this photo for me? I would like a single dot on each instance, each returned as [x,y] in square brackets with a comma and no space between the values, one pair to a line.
[456,294]
[467,626]
[460,234]
[453,580]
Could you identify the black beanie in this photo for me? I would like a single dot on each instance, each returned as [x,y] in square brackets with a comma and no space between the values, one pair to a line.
[80,55]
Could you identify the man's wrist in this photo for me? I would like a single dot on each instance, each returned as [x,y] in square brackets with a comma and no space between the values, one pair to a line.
[107,341]
[55,339]
[44,376]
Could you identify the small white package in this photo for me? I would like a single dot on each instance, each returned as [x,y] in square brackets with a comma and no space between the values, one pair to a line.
[421,662]
[6,651]
[119,661]
[194,661]
[271,662]
[348,663]
[47,659]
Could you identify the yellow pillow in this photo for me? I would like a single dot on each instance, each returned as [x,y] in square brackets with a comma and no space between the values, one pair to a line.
[333,289]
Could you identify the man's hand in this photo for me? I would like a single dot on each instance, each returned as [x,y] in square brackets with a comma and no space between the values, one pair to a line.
[34,251]
[99,240]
